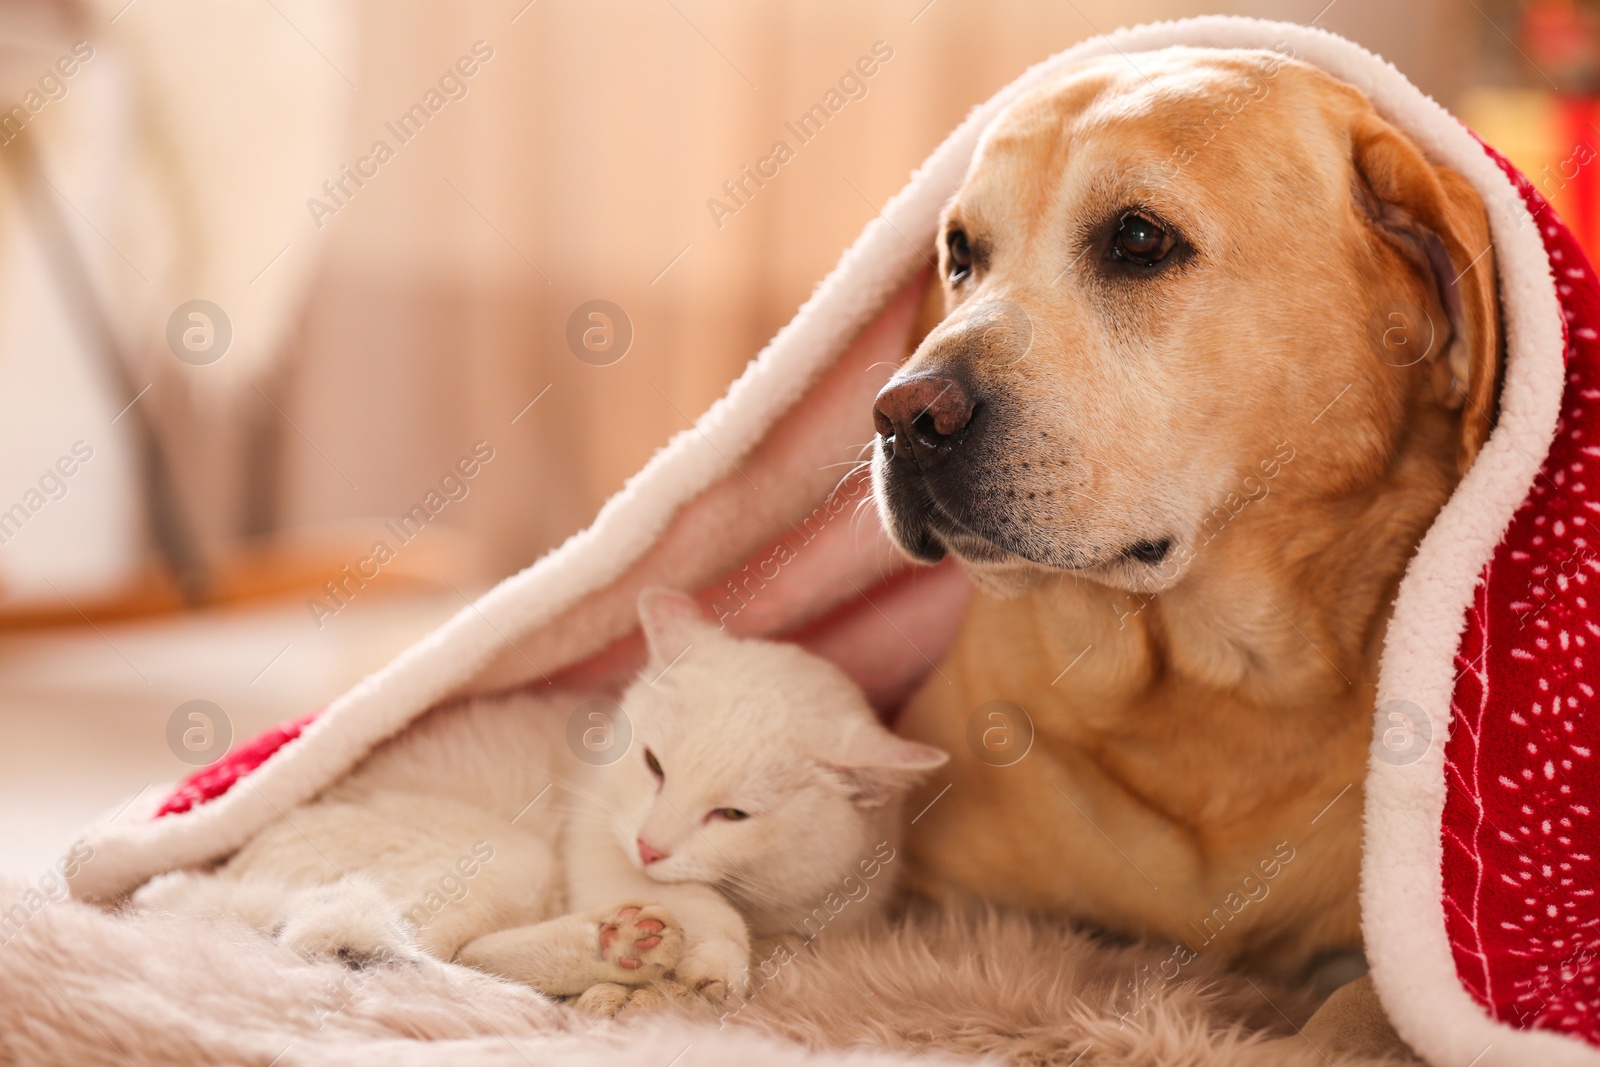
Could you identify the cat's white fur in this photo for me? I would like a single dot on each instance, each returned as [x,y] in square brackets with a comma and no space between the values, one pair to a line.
[480,836]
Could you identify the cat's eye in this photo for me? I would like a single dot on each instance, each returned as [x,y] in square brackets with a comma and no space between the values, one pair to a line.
[731,814]
[654,765]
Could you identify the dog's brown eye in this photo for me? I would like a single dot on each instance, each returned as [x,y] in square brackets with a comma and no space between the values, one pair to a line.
[1140,241]
[960,254]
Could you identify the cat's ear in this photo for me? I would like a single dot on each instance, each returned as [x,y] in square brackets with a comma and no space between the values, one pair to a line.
[671,622]
[879,765]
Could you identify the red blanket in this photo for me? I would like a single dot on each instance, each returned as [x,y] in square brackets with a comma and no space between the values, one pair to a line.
[1521,833]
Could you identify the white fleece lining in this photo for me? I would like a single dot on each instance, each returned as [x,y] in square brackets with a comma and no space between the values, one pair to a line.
[1402,892]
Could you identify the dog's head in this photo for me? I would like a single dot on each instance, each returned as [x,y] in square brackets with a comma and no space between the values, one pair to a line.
[1163,278]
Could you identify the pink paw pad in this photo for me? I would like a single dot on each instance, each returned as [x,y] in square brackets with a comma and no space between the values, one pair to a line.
[647,933]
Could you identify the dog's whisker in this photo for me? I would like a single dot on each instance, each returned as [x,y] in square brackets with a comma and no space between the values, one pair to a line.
[856,520]
[1086,496]
[852,473]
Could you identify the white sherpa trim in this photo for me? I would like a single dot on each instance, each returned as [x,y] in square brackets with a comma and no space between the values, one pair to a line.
[1402,891]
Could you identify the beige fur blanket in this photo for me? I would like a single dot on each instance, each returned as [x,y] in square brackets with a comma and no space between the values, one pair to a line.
[82,986]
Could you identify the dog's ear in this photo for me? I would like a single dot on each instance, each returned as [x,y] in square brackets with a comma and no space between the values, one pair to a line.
[1443,217]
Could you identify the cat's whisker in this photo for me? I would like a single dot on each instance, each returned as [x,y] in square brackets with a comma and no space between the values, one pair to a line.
[746,885]
[733,867]
[573,811]
[593,799]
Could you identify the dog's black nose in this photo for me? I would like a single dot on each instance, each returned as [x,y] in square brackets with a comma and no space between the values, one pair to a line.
[923,413]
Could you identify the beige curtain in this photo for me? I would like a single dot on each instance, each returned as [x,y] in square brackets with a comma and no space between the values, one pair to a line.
[585,161]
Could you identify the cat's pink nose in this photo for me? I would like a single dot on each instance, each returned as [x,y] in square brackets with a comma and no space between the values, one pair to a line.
[649,854]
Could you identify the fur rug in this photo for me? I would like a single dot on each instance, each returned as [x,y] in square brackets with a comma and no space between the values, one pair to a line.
[82,986]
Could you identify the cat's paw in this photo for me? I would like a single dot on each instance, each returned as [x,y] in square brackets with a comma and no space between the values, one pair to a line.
[642,941]
[610,1000]
[182,893]
[355,945]
[604,1000]
[349,921]
[716,969]
[660,996]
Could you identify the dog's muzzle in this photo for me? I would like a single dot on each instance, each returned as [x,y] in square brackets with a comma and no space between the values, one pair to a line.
[927,423]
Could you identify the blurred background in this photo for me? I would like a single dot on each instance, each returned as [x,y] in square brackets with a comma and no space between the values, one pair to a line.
[276,275]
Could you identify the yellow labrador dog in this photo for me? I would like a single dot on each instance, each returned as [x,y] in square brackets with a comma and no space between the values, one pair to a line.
[1217,342]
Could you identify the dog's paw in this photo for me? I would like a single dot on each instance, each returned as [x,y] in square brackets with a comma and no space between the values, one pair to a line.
[642,941]
[716,969]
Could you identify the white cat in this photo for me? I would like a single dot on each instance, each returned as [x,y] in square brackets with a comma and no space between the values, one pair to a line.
[756,791]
